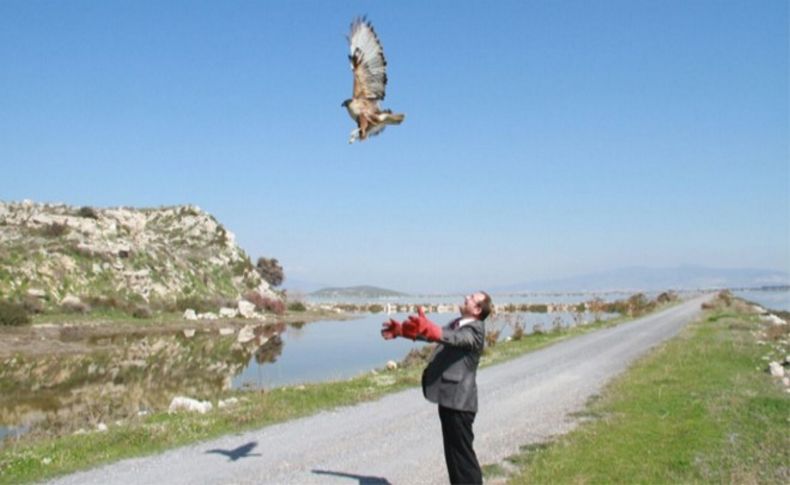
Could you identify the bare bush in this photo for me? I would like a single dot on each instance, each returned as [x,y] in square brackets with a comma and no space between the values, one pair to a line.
[417,357]
[54,230]
[263,303]
[142,311]
[777,332]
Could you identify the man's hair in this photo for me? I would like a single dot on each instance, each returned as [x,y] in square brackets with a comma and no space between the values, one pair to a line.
[485,306]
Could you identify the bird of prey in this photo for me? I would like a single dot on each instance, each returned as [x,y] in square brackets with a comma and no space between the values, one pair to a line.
[370,79]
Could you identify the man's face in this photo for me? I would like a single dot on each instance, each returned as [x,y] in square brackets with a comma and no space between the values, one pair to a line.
[471,305]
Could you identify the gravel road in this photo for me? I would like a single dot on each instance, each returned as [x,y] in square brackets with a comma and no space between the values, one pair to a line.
[397,439]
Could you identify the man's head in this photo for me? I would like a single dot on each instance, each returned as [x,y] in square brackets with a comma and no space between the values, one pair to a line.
[476,305]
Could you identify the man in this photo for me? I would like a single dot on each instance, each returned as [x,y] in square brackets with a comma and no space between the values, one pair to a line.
[449,380]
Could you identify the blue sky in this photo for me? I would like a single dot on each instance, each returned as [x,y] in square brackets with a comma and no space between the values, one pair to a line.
[542,139]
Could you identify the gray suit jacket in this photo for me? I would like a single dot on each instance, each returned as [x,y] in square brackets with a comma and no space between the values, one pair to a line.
[450,379]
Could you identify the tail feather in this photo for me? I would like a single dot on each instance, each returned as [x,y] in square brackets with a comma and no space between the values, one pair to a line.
[391,118]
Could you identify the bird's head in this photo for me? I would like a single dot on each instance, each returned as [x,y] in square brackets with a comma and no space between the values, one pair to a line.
[345,103]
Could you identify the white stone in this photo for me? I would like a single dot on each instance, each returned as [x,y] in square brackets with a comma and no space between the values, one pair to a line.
[246,334]
[786,381]
[392,365]
[69,300]
[226,331]
[776,369]
[181,403]
[228,312]
[246,309]
[231,401]
[101,427]
[36,293]
[208,316]
[188,332]
[774,319]
[189,314]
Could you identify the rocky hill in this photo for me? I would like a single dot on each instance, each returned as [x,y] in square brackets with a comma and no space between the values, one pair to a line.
[55,252]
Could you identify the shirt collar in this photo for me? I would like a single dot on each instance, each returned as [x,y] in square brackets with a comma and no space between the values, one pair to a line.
[464,321]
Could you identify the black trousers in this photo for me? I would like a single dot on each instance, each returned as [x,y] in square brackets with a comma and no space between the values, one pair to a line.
[462,465]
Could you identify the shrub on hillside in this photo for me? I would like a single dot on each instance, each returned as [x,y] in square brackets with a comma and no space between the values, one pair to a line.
[270,270]
[110,302]
[296,306]
[32,305]
[777,332]
[142,311]
[725,296]
[54,230]
[75,307]
[263,303]
[667,297]
[13,314]
[88,212]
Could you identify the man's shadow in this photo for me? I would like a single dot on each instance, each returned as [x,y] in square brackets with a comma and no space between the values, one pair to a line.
[363,480]
[242,451]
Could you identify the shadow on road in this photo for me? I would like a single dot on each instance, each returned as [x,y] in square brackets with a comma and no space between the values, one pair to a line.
[242,451]
[363,480]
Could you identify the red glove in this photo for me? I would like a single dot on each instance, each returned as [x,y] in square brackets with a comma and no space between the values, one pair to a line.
[420,325]
[391,329]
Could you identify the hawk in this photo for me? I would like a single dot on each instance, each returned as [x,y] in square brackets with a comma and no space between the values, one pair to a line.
[370,79]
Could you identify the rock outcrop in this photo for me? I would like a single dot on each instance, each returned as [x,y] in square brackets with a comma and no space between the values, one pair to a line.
[52,252]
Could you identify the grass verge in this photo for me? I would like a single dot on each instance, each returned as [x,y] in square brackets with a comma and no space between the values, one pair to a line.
[701,408]
[29,459]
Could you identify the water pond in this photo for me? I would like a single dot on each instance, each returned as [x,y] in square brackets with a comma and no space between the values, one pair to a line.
[129,374]
[768,299]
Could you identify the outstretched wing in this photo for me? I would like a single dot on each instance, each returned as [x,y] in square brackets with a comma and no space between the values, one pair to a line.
[367,61]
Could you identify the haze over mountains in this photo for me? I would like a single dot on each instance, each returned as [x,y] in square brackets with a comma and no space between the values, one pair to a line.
[684,277]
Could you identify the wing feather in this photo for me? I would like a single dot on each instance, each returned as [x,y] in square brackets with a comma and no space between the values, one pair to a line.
[367,60]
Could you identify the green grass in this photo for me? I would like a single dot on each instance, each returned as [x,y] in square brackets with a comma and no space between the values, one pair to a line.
[701,408]
[37,458]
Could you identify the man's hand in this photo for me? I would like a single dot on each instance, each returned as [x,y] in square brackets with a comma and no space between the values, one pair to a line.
[420,325]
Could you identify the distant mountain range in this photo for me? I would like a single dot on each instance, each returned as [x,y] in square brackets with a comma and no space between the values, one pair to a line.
[686,277]
[363,291]
[637,278]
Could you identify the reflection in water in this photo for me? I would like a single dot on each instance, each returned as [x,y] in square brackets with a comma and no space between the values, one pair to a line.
[331,349]
[125,375]
[129,374]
